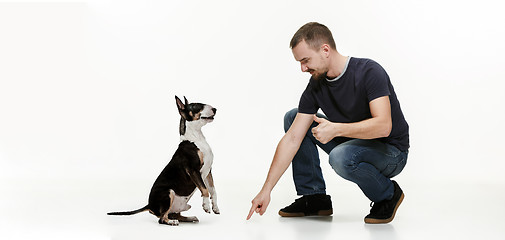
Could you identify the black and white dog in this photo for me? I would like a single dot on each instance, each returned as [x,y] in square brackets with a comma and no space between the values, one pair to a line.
[189,169]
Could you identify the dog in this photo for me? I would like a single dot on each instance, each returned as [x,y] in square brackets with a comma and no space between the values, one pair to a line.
[188,170]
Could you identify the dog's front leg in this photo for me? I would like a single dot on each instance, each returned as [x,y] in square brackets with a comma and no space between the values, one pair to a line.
[209,182]
[197,179]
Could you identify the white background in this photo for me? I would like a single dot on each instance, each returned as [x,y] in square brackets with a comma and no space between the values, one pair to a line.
[87,92]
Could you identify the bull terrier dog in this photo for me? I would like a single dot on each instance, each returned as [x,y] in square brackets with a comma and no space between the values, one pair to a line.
[189,169]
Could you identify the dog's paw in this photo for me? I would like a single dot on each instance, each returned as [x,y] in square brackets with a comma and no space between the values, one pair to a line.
[206,205]
[206,208]
[173,222]
[191,219]
[215,209]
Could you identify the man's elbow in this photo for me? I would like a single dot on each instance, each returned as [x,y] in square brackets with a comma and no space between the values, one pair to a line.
[386,129]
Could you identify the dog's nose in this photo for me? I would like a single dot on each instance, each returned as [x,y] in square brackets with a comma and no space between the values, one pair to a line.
[214,110]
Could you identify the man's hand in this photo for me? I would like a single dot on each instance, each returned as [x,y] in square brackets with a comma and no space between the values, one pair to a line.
[325,131]
[259,204]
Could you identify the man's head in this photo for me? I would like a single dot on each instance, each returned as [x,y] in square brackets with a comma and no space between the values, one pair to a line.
[311,46]
[315,35]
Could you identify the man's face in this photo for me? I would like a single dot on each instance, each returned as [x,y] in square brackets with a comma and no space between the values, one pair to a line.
[311,61]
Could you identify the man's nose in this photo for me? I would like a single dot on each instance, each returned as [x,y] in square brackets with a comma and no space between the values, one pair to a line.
[304,68]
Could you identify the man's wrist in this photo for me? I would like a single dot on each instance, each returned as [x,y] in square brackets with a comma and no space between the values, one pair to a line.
[337,128]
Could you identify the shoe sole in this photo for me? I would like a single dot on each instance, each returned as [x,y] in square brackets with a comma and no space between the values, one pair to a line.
[300,214]
[387,220]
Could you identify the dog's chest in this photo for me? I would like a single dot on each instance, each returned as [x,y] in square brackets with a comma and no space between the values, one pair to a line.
[196,137]
[204,147]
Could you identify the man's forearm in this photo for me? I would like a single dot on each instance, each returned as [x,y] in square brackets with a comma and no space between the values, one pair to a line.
[286,150]
[367,129]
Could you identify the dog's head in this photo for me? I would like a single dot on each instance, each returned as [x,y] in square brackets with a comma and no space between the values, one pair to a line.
[196,114]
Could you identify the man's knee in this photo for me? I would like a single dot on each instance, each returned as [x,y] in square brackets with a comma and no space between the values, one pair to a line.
[289,117]
[342,162]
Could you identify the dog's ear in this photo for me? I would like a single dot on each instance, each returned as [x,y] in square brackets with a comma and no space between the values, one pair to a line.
[186,100]
[179,103]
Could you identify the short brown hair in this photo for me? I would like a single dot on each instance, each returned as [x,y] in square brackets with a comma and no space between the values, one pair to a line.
[314,34]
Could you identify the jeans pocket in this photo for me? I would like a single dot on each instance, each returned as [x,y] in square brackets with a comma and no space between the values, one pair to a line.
[393,151]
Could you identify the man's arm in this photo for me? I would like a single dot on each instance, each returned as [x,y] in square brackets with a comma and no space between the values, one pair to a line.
[376,127]
[286,150]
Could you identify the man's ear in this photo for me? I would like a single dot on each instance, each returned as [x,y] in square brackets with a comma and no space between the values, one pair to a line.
[326,49]
[179,103]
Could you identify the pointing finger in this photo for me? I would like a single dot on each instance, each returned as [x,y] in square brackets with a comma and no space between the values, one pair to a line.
[251,212]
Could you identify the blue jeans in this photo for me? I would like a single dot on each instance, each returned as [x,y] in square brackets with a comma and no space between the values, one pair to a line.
[368,163]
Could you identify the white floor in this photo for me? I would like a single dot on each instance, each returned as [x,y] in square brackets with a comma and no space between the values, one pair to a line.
[76,209]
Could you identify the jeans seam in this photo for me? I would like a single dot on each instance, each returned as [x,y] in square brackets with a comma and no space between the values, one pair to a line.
[354,155]
[357,167]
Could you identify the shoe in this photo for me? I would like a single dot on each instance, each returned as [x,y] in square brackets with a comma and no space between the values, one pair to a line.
[309,205]
[384,211]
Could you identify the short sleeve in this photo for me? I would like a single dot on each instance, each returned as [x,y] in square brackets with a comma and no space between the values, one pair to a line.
[308,104]
[376,82]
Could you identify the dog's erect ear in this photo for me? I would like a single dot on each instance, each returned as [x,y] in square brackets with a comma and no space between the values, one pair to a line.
[180,105]
[186,100]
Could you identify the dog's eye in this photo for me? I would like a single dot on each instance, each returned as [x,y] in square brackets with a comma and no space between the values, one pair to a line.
[195,107]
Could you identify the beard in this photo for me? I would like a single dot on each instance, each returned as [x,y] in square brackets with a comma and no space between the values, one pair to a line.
[319,79]
[320,76]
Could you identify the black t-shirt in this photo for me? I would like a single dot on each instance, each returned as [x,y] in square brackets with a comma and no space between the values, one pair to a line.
[346,99]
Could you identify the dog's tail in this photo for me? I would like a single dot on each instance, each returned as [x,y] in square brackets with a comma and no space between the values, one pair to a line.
[131,212]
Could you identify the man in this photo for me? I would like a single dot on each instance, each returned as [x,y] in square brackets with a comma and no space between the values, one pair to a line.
[364,131]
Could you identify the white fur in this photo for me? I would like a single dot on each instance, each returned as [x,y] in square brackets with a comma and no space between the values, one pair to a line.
[173,222]
[179,203]
[194,134]
[206,204]
[213,199]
